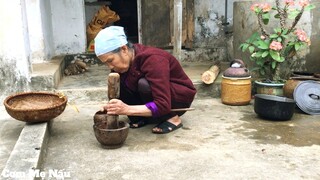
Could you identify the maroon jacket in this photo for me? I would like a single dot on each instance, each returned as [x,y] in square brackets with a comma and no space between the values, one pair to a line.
[168,82]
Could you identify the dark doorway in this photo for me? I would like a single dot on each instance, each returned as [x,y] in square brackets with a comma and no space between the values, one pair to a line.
[127,10]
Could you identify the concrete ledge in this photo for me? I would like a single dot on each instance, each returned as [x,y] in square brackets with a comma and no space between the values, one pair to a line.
[25,159]
[47,76]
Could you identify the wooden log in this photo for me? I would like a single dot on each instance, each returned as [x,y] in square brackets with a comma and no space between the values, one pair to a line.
[113,93]
[210,75]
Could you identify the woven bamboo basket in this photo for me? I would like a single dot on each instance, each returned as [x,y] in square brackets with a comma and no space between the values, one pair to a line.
[35,106]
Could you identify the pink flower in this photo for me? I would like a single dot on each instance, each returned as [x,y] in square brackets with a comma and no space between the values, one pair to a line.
[275,45]
[262,37]
[254,7]
[289,2]
[302,36]
[304,3]
[265,7]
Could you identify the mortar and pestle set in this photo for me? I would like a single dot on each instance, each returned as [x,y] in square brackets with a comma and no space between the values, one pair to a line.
[109,131]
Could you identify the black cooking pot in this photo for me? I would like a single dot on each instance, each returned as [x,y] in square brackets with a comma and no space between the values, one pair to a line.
[274,107]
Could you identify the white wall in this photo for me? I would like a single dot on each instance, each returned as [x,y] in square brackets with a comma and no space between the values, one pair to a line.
[209,16]
[15,61]
[45,8]
[14,40]
[35,31]
[68,26]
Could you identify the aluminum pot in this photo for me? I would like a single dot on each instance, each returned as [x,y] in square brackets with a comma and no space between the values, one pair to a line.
[274,107]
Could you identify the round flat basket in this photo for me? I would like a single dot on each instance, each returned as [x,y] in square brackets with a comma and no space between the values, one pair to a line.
[307,96]
[35,106]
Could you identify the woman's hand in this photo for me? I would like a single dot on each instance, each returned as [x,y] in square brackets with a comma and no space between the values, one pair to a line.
[116,107]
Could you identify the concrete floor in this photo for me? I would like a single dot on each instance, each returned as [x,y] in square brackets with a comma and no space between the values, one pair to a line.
[217,141]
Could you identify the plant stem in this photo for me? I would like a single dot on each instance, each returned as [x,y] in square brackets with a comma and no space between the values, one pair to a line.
[263,31]
[276,75]
[296,20]
[281,15]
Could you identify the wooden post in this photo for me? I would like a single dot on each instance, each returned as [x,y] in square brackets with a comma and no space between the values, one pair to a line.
[139,22]
[210,75]
[177,29]
[113,93]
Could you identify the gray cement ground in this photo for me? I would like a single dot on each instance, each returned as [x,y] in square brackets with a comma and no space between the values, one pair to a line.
[216,142]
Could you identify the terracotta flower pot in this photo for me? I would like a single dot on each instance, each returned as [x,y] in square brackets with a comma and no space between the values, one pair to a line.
[289,87]
[269,88]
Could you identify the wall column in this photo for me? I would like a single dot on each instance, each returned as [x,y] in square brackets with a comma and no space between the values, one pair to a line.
[15,63]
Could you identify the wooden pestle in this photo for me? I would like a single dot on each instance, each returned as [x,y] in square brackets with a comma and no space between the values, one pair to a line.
[113,93]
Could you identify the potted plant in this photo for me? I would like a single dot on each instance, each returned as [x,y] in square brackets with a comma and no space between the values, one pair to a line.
[274,51]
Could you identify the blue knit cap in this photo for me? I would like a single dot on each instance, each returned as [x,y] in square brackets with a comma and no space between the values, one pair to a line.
[109,39]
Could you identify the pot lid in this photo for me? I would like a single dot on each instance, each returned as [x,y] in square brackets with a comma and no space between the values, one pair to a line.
[236,72]
[307,96]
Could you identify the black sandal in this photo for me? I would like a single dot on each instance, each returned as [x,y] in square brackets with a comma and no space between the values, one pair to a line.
[166,127]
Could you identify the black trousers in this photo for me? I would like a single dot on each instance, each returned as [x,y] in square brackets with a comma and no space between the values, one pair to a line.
[143,96]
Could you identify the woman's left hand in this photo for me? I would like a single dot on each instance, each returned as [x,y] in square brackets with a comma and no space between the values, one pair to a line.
[116,107]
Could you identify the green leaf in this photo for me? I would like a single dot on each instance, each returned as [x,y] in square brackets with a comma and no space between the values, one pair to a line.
[279,39]
[273,64]
[281,59]
[275,55]
[251,49]
[253,37]
[265,18]
[309,7]
[263,45]
[265,54]
[258,54]
[277,16]
[285,31]
[244,46]
[297,46]
[290,43]
[277,30]
[254,55]
[293,14]
[273,36]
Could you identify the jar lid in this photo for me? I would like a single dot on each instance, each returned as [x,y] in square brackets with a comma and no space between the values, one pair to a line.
[307,96]
[236,72]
